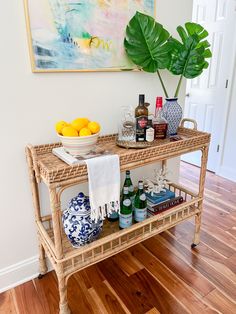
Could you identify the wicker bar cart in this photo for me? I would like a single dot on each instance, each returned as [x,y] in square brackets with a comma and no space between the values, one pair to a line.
[46,168]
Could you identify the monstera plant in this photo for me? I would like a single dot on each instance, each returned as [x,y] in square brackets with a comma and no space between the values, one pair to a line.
[149,45]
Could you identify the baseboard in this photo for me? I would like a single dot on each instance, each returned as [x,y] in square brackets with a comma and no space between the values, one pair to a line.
[18,273]
[227,173]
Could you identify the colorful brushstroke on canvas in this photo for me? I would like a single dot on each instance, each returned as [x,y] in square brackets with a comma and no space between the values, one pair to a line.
[81,35]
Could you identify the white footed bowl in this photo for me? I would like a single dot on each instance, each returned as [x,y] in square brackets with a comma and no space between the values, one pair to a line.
[79,145]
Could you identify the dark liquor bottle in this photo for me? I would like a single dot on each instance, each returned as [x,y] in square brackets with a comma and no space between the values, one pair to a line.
[114,216]
[128,182]
[125,217]
[141,115]
[140,204]
[160,124]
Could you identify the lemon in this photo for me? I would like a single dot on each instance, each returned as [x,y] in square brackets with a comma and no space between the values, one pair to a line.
[94,127]
[85,132]
[79,123]
[60,125]
[69,131]
[86,121]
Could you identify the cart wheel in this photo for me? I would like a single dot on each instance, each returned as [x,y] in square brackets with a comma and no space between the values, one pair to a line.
[40,276]
[193,245]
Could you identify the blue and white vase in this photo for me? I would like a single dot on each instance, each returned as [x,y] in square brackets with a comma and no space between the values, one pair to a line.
[173,113]
[77,222]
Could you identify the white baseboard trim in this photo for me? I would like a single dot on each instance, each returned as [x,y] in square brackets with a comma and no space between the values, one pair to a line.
[19,273]
[227,173]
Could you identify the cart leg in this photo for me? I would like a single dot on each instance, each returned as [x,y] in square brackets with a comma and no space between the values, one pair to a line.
[198,217]
[196,239]
[62,284]
[56,222]
[35,194]
[42,262]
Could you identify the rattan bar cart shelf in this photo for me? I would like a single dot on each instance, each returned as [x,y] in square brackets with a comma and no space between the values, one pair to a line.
[46,168]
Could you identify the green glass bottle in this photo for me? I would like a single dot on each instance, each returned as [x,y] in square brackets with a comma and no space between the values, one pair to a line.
[125,217]
[128,182]
[140,204]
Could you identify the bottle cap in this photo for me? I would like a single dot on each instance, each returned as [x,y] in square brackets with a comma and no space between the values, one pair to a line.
[150,122]
[140,184]
[127,171]
[159,102]
[142,98]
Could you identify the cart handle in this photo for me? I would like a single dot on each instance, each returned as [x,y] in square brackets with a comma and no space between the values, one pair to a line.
[194,122]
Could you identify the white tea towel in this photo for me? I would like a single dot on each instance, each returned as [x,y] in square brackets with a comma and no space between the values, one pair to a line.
[104,185]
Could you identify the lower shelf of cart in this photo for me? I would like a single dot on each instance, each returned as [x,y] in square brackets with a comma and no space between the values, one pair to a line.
[113,240]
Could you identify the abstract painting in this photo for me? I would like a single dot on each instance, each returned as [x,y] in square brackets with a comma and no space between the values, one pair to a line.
[80,35]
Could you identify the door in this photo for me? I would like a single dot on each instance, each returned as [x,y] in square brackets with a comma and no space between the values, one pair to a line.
[206,96]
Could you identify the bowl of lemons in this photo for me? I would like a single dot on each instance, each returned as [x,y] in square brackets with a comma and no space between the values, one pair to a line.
[78,137]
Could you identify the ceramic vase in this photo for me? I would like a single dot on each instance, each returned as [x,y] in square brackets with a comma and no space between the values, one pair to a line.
[77,222]
[173,113]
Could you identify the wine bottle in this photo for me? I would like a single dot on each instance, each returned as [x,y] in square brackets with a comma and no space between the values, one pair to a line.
[125,217]
[141,115]
[160,124]
[140,204]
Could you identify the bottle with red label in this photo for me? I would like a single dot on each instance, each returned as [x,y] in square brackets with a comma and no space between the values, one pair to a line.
[141,116]
[160,124]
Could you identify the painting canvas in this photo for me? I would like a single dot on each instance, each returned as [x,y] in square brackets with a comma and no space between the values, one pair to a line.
[80,35]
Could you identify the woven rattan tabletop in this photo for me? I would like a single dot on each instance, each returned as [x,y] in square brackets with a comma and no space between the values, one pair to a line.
[51,169]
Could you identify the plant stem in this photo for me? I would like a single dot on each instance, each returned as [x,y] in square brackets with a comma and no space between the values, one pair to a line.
[162,84]
[178,87]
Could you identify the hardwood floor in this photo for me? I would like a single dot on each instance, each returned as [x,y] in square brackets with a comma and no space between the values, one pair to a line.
[161,275]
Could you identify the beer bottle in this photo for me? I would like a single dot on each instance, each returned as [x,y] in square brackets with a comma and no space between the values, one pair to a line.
[140,204]
[125,217]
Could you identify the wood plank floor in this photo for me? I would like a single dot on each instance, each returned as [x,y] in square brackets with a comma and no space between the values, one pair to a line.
[161,275]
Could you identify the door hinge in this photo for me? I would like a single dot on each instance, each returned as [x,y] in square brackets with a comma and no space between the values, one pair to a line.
[226,83]
[218,148]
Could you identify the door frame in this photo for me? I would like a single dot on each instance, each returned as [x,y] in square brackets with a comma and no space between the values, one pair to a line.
[225,112]
[226,108]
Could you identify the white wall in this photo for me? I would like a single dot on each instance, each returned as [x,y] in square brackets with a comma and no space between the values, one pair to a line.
[30,104]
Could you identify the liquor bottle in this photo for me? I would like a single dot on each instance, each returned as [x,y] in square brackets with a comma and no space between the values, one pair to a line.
[125,217]
[141,115]
[160,124]
[114,216]
[150,132]
[128,182]
[140,204]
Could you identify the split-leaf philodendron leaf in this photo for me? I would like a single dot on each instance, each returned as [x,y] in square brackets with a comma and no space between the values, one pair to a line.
[188,58]
[147,43]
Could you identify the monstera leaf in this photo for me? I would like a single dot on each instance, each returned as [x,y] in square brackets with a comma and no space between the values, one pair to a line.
[150,47]
[147,43]
[188,58]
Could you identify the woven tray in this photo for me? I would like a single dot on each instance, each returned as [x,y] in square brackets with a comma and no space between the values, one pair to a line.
[51,169]
[128,144]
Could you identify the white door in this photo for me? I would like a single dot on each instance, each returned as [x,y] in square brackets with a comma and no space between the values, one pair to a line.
[206,96]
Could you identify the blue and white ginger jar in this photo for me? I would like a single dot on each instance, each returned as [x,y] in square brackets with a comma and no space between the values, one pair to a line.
[173,113]
[77,222]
